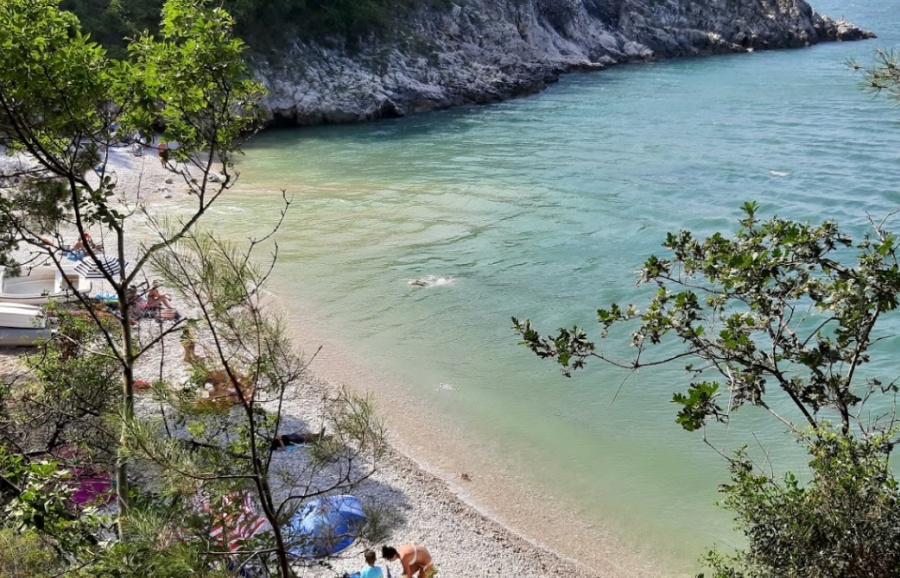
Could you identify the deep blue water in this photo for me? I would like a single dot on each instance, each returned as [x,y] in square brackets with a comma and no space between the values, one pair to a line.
[544,207]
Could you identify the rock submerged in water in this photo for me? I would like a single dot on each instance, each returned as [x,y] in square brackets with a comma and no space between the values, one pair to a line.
[489,50]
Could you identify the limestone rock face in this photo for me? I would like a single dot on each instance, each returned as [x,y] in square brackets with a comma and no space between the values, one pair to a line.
[480,51]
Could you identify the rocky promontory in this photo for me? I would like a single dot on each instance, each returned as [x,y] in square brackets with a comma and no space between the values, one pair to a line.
[477,51]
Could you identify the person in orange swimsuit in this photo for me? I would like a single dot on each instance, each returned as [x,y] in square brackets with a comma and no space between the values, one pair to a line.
[413,557]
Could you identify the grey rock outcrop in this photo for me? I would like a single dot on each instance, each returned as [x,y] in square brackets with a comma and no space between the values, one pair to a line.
[480,51]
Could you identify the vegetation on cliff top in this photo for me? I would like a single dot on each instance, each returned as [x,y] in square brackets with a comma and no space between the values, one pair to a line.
[260,23]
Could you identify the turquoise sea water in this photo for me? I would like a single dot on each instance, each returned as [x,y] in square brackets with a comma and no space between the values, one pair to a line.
[544,207]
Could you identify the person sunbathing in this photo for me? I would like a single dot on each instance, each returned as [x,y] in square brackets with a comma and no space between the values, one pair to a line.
[157,300]
[86,241]
[283,442]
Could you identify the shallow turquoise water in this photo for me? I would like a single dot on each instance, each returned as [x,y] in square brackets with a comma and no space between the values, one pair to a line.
[544,207]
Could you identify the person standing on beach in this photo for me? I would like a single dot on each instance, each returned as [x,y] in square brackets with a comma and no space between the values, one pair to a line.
[372,571]
[189,342]
[413,557]
[163,149]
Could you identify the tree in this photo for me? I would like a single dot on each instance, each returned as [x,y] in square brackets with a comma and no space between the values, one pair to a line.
[883,75]
[61,102]
[226,446]
[782,316]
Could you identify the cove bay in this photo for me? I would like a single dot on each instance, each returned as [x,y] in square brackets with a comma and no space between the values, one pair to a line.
[544,207]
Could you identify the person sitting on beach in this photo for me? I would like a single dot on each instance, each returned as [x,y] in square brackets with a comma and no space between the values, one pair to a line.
[283,442]
[86,241]
[414,558]
[135,302]
[132,296]
[157,300]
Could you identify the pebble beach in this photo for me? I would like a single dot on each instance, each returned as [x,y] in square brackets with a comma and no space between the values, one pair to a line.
[456,515]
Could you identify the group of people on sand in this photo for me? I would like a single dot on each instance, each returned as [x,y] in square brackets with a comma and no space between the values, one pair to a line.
[414,558]
[153,304]
[137,143]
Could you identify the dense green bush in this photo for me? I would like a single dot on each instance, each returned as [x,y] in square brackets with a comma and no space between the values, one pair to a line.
[261,23]
[24,555]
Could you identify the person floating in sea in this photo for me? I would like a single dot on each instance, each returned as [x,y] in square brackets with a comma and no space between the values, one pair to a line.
[430,281]
[414,558]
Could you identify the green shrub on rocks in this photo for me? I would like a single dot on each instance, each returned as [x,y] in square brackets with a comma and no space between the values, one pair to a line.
[25,555]
[260,23]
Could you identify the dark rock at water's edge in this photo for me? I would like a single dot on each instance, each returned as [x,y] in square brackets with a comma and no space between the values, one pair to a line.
[480,51]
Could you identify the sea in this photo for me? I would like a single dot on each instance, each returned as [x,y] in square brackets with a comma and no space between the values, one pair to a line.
[544,208]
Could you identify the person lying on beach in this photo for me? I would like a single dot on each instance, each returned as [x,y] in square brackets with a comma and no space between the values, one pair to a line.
[283,442]
[414,558]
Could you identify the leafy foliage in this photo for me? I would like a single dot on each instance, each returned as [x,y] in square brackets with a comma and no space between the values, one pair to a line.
[53,92]
[222,450]
[772,307]
[883,75]
[844,523]
[26,555]
[261,23]
[62,98]
[73,390]
[190,81]
[782,316]
[36,499]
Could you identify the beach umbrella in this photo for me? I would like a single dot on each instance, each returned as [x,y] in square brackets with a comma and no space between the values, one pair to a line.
[325,526]
[91,270]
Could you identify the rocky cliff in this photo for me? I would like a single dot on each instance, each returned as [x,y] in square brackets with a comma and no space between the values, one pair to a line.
[475,51]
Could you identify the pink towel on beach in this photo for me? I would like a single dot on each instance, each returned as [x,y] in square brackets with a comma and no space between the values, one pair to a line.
[92,490]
